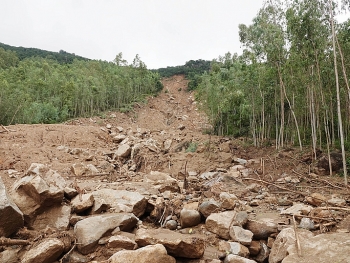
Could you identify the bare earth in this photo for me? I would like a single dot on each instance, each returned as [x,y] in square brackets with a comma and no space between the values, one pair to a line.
[174,115]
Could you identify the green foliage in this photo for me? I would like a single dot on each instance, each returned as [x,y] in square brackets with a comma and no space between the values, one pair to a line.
[61,57]
[284,81]
[38,90]
[192,147]
[192,70]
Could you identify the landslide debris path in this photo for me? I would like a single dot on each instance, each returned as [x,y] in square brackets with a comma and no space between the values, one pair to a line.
[150,182]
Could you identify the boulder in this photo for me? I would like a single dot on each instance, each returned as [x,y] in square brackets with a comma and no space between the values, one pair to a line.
[88,231]
[219,223]
[283,240]
[119,201]
[177,244]
[241,235]
[324,248]
[47,251]
[80,203]
[10,255]
[237,259]
[11,218]
[55,217]
[208,207]
[149,254]
[33,193]
[189,218]
[262,228]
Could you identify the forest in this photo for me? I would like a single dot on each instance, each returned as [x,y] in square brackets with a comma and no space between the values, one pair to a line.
[39,88]
[290,85]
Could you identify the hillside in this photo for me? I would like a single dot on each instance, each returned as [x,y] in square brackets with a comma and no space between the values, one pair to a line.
[61,57]
[151,176]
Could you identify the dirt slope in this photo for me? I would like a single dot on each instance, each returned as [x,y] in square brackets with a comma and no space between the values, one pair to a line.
[171,116]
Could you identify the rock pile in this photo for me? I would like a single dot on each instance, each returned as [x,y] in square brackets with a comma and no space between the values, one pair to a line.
[210,216]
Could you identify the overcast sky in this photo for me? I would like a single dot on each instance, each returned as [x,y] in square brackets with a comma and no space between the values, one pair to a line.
[163,32]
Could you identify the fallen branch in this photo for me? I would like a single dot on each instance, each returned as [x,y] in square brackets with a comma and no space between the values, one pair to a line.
[280,187]
[11,242]
[70,251]
[335,208]
[297,237]
[315,217]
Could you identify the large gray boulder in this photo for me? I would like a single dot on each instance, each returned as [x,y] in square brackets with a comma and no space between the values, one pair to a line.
[149,254]
[11,218]
[119,201]
[177,244]
[88,231]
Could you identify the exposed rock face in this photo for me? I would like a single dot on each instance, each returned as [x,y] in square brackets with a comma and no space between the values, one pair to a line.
[149,254]
[336,162]
[189,218]
[177,244]
[219,223]
[88,231]
[46,252]
[262,228]
[119,201]
[11,218]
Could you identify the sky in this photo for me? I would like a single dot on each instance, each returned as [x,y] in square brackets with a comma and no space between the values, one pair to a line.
[163,32]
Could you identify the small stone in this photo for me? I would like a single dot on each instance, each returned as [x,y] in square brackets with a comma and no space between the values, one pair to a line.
[336,201]
[228,201]
[82,203]
[307,223]
[297,209]
[171,224]
[316,199]
[262,228]
[254,248]
[123,151]
[189,218]
[208,207]
[121,242]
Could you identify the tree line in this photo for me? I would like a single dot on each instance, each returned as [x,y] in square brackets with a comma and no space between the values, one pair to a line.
[283,88]
[44,90]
